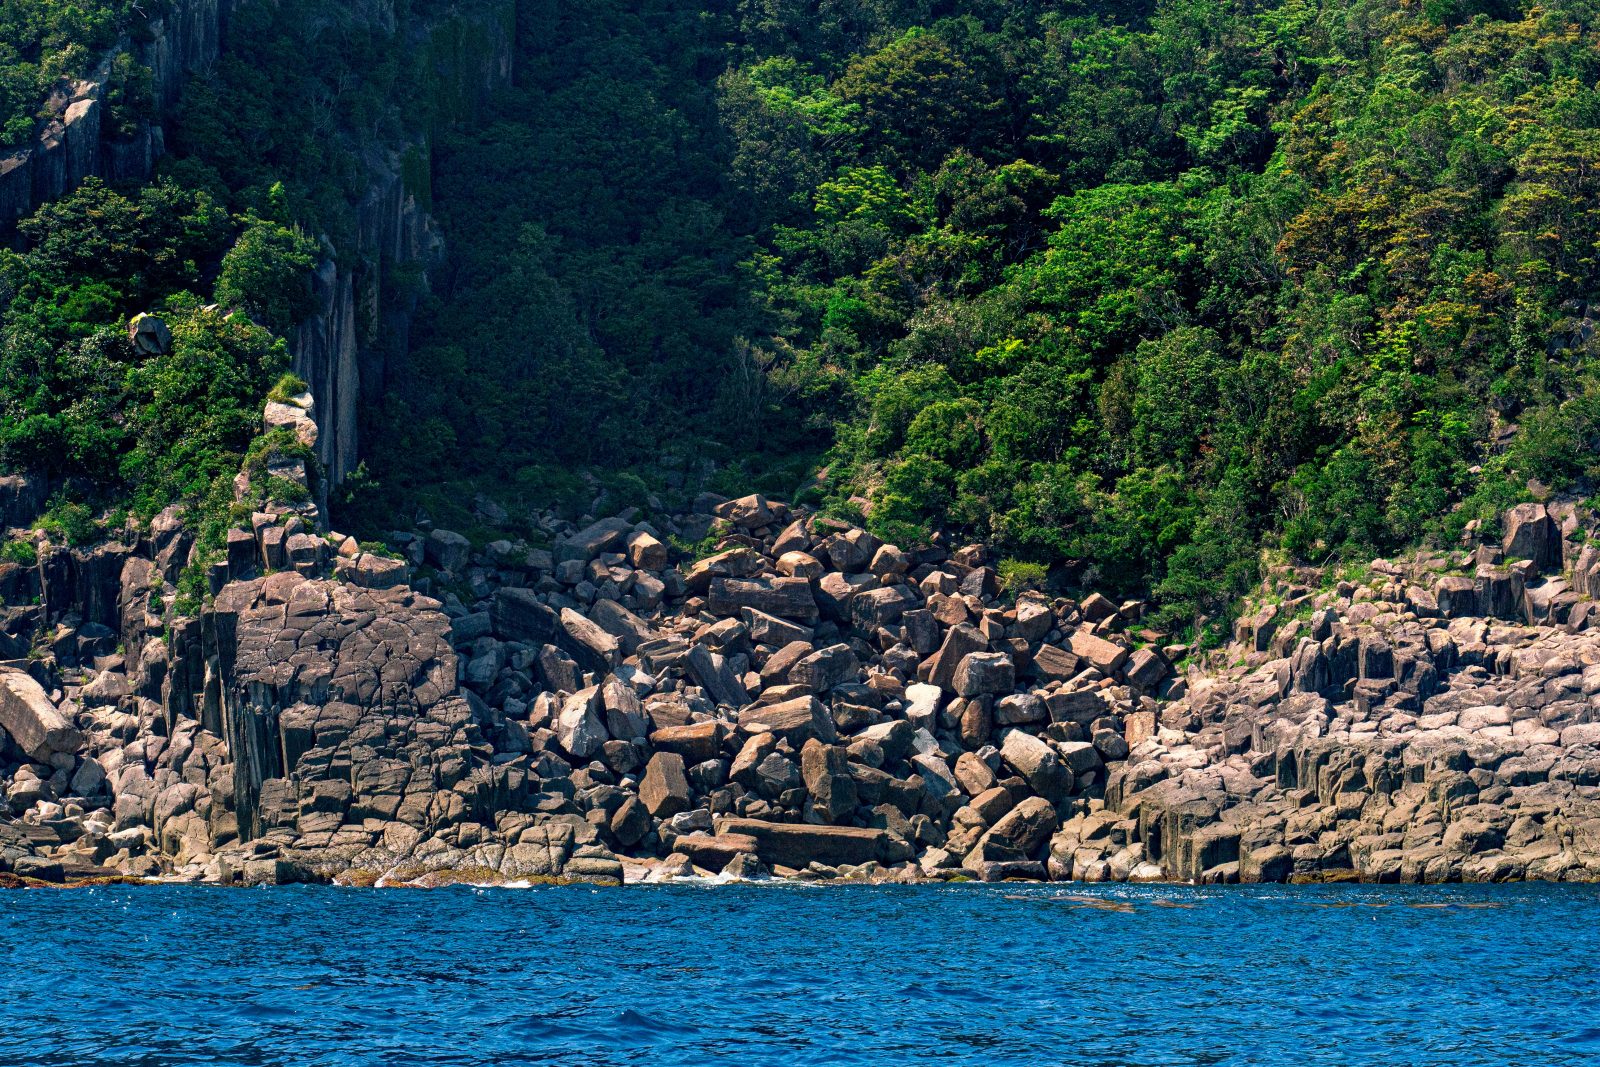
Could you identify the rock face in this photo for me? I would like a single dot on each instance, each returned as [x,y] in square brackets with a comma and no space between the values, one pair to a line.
[181,37]
[390,232]
[577,713]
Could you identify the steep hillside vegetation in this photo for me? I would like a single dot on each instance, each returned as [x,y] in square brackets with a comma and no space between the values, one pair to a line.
[1155,287]
[270,150]
[43,42]
[1134,292]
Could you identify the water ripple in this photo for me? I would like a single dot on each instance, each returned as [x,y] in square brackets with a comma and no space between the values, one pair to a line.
[694,975]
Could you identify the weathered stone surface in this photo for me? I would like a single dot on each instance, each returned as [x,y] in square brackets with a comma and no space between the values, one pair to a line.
[518,615]
[447,550]
[712,673]
[589,644]
[645,551]
[1145,669]
[579,728]
[981,673]
[1017,835]
[961,641]
[1037,763]
[35,724]
[825,668]
[1099,653]
[607,535]
[713,852]
[795,721]
[1053,662]
[664,789]
[1530,535]
[787,598]
[737,562]
[695,742]
[795,845]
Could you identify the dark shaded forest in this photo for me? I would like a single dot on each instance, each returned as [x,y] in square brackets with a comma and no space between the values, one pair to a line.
[1161,289]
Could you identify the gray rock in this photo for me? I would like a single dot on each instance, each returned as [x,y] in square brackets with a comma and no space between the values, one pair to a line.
[982,673]
[1037,763]
[579,729]
[825,668]
[447,550]
[34,724]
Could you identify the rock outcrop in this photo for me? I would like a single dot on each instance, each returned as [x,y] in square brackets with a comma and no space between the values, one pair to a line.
[390,234]
[176,38]
[805,700]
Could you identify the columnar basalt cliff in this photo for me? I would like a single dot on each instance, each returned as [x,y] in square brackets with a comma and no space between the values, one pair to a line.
[362,312]
[358,298]
[179,38]
[805,700]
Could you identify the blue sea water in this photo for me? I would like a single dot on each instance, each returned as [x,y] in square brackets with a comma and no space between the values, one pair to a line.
[776,975]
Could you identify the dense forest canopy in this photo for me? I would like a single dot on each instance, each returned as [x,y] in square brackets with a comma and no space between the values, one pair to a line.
[1151,287]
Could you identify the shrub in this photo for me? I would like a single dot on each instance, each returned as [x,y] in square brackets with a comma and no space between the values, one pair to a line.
[287,388]
[1016,575]
[72,522]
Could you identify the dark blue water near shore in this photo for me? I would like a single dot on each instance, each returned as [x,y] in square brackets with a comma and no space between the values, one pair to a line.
[791,975]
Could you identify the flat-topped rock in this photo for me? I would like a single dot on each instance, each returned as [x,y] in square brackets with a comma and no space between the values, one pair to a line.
[797,844]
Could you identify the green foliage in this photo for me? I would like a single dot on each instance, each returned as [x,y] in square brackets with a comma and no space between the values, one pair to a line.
[78,399]
[19,552]
[1016,575]
[1154,287]
[589,310]
[267,273]
[70,521]
[289,387]
[43,41]
[1149,289]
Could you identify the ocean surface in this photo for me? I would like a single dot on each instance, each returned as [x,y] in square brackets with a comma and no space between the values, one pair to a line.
[762,975]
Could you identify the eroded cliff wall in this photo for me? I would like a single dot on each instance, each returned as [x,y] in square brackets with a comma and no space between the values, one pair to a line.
[181,37]
[367,284]
[367,288]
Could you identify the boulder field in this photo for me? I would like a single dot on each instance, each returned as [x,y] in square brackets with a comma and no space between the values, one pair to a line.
[797,699]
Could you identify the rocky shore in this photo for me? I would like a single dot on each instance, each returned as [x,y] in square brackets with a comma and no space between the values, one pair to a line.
[800,700]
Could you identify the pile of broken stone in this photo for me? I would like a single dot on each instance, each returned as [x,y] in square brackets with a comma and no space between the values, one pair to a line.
[806,698]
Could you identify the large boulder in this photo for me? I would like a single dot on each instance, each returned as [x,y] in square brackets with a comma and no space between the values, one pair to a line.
[714,675]
[664,789]
[795,721]
[1017,835]
[1531,535]
[960,642]
[35,725]
[798,844]
[519,615]
[1037,763]
[826,771]
[579,727]
[607,535]
[787,598]
[589,644]
[825,668]
[447,550]
[981,673]
[1101,654]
